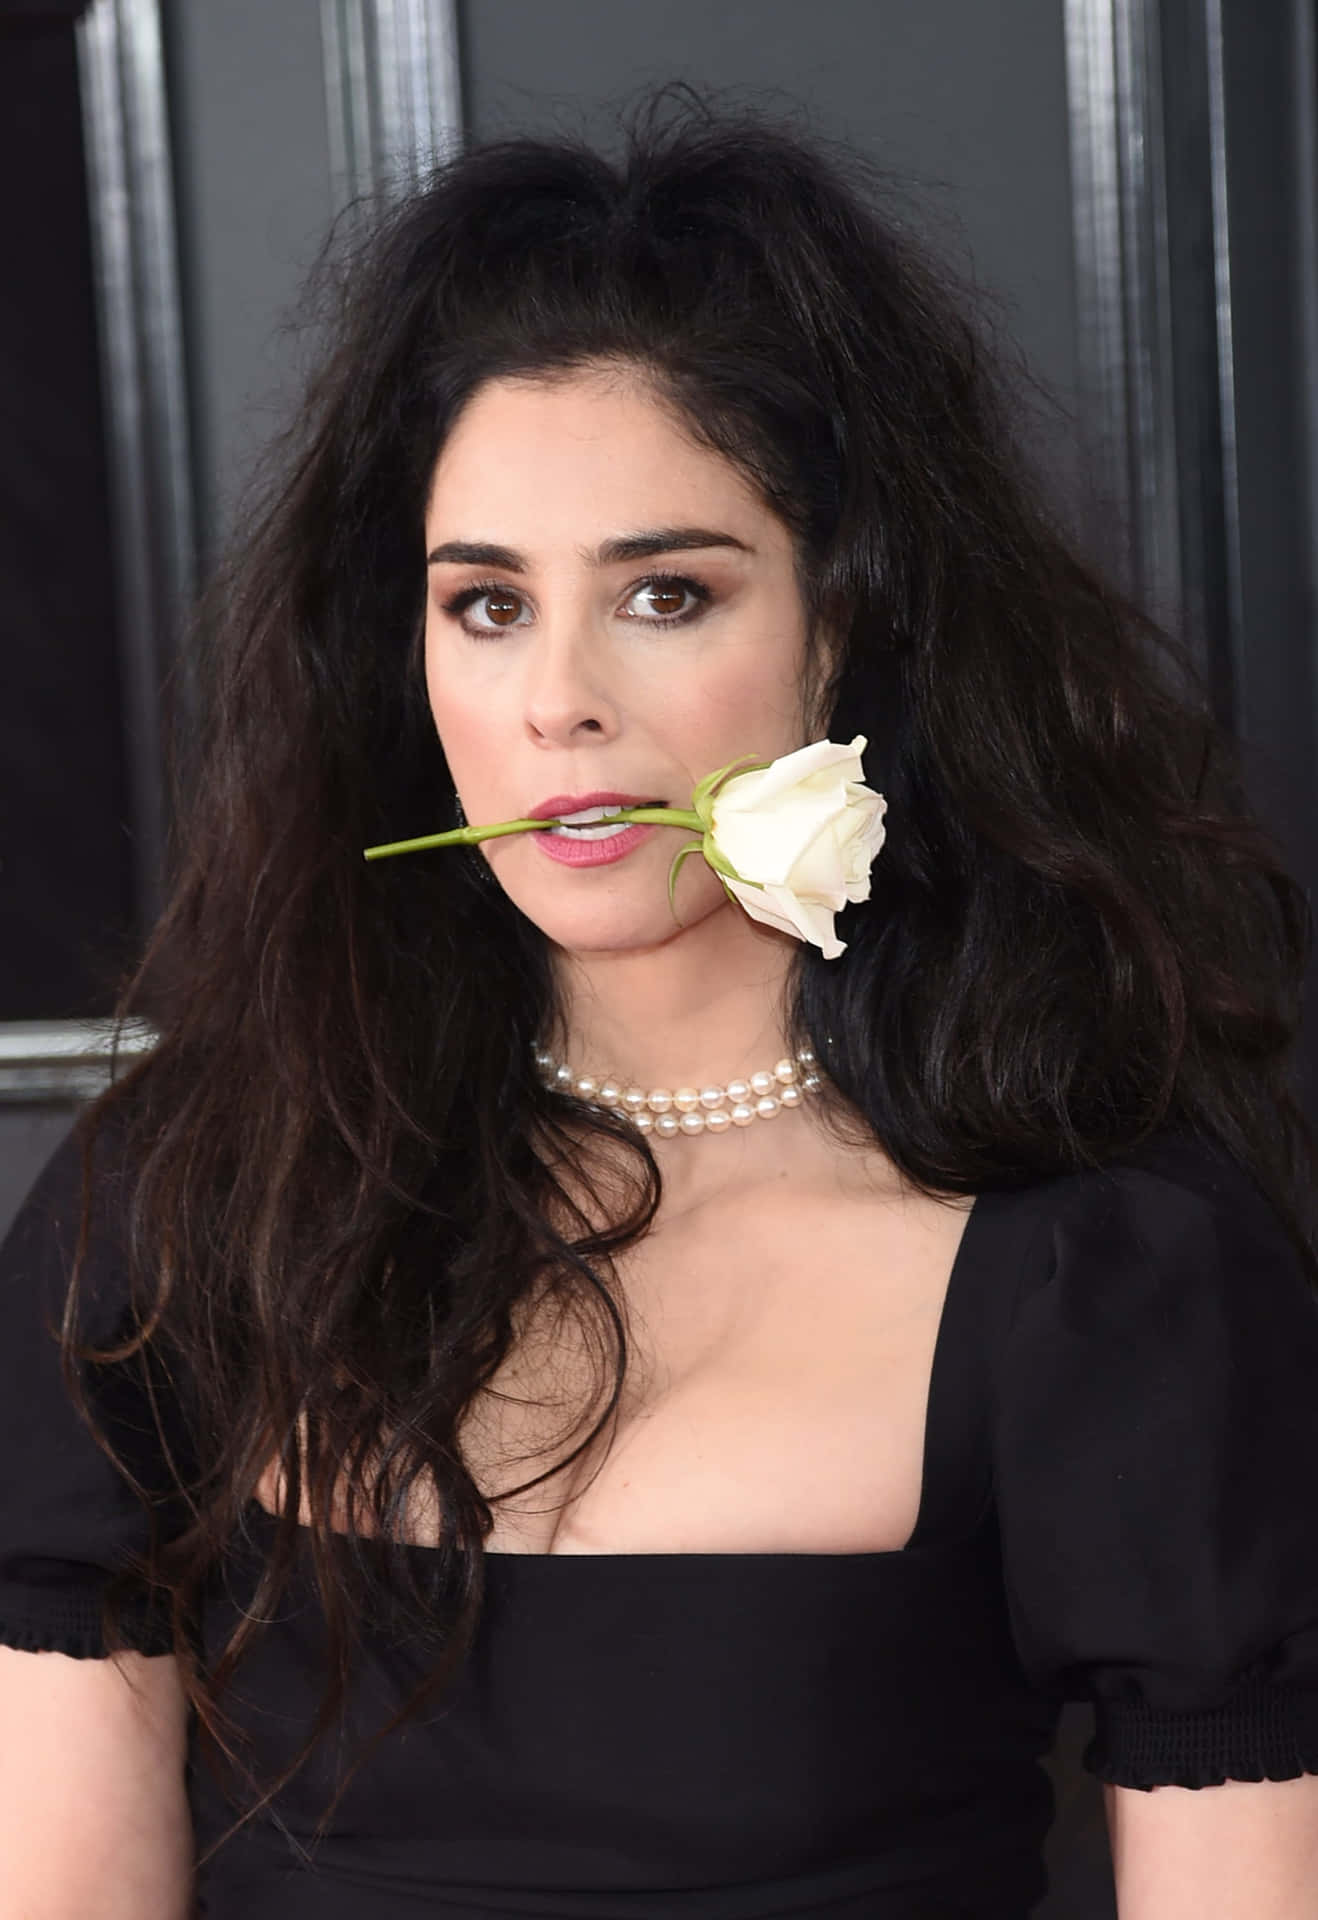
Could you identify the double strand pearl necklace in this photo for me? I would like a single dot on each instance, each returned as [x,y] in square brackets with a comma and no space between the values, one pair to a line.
[710,1109]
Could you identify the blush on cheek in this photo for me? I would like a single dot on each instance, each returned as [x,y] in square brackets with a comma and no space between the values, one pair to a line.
[473,755]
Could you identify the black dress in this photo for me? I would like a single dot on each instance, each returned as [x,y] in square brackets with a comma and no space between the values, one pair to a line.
[1120,1504]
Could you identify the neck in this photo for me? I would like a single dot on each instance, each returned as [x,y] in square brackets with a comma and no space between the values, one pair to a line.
[705,1007]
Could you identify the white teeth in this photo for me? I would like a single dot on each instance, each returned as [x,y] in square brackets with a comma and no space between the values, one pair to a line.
[590,823]
[592,833]
[588,814]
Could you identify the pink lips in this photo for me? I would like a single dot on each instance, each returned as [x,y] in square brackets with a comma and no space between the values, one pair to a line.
[560,803]
[589,853]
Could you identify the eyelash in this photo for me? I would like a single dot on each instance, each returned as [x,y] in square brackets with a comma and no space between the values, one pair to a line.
[701,594]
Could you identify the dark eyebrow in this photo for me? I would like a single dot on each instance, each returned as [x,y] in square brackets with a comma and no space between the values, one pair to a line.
[477,553]
[627,546]
[641,546]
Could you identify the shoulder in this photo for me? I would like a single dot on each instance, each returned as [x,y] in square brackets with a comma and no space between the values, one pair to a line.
[1175,1220]
[1162,1345]
[100,1472]
[1156,1466]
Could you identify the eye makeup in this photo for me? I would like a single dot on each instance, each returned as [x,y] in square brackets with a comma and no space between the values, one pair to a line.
[701,595]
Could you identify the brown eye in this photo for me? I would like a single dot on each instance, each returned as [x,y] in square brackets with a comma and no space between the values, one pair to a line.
[485,609]
[665,600]
[501,608]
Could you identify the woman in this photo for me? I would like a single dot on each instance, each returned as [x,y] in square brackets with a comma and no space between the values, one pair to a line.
[551,1516]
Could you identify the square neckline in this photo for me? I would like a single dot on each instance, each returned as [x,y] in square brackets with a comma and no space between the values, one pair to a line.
[913,1547]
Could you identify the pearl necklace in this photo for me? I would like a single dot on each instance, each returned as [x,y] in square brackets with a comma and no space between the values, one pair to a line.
[708,1109]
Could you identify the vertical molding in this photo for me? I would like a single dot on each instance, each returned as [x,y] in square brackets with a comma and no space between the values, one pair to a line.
[1226,366]
[1155,483]
[1304,42]
[394,92]
[139,321]
[1099,271]
[139,313]
[348,99]
[1119,209]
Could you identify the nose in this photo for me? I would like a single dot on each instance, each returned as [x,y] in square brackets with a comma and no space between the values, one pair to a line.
[566,695]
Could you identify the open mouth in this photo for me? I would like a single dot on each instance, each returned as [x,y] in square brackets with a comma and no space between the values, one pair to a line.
[597,823]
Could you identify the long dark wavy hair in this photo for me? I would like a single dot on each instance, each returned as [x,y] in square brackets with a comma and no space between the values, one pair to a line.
[1079,932]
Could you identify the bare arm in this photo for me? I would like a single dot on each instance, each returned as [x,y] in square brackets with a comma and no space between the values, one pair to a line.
[1244,1850]
[94,1817]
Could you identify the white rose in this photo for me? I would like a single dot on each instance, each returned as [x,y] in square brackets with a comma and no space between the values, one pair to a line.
[799,837]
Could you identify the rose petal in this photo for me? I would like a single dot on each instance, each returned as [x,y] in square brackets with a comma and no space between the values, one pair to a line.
[789,771]
[758,906]
[764,843]
[813,922]
[775,907]
[820,871]
[865,836]
[800,837]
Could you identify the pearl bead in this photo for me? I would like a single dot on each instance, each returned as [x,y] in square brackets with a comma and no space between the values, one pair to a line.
[689,1109]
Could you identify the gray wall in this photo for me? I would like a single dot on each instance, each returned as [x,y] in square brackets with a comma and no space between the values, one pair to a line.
[29,1135]
[251,159]
[967,102]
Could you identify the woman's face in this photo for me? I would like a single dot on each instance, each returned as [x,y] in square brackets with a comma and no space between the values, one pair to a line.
[612,613]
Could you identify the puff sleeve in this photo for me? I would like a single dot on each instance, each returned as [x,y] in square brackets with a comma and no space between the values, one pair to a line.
[68,1516]
[1156,1466]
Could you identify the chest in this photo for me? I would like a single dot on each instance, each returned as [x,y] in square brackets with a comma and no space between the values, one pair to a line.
[778,1365]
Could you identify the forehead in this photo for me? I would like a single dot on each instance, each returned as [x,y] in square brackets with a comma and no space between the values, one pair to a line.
[598,445]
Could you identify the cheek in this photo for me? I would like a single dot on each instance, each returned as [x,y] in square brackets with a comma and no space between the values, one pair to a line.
[468,736]
[753,696]
[465,720]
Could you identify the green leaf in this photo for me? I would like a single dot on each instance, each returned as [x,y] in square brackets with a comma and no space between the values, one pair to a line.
[702,798]
[692,846]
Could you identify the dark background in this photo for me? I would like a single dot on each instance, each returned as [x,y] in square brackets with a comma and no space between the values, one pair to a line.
[66,886]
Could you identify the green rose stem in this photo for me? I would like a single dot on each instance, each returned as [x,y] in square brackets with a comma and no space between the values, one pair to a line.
[471,836]
[699,819]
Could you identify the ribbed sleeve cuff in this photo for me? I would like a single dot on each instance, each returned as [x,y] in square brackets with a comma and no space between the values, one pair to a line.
[69,1621]
[1260,1733]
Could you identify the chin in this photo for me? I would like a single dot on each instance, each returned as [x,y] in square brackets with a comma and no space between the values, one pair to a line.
[603,911]
[616,925]
[607,932]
